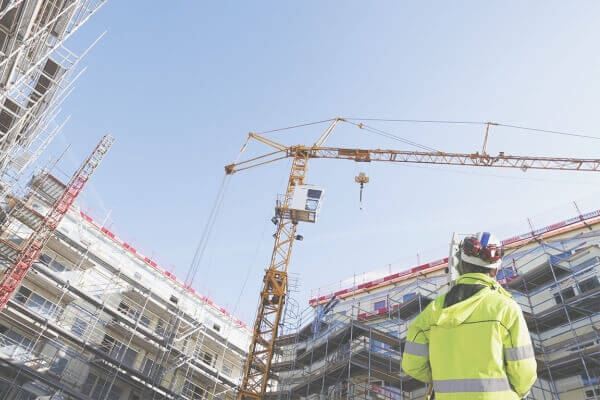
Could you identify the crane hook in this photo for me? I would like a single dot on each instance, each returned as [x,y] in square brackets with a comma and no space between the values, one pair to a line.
[361,179]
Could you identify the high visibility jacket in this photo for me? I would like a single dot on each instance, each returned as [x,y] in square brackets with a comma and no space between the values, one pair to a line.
[478,348]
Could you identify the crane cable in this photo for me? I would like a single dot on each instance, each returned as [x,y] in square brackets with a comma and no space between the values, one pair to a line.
[482,123]
[206,233]
[297,126]
[536,130]
[418,121]
[210,223]
[249,270]
[389,135]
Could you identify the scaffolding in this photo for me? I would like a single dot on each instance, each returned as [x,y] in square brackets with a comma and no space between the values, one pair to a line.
[354,351]
[89,320]
[37,73]
[557,285]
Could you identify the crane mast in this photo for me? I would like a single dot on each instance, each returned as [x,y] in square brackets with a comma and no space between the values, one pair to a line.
[257,368]
[273,293]
[33,246]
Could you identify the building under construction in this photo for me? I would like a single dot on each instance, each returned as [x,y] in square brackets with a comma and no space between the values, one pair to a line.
[37,72]
[95,319]
[348,344]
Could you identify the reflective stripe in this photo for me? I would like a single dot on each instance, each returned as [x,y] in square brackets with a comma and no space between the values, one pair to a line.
[519,353]
[416,349]
[471,385]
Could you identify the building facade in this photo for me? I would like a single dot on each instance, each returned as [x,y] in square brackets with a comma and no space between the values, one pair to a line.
[350,345]
[95,319]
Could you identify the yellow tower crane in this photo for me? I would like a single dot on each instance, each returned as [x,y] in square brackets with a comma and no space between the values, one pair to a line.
[300,203]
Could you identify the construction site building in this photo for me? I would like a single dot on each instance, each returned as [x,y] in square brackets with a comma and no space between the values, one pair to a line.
[96,319]
[37,72]
[348,344]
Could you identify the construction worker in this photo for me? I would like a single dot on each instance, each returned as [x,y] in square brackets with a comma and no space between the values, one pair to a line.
[472,342]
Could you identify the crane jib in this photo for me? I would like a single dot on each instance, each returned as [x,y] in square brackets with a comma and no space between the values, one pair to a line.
[257,369]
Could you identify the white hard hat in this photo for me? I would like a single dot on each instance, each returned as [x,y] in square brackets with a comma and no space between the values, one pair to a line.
[482,249]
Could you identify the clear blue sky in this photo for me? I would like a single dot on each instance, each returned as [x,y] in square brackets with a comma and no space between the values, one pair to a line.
[181,85]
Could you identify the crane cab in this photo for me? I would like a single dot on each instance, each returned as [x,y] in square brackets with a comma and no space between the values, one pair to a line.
[304,205]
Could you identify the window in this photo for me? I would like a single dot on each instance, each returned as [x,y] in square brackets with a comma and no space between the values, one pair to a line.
[592,394]
[160,327]
[208,358]
[58,365]
[79,327]
[379,305]
[16,345]
[114,393]
[6,118]
[123,354]
[54,265]
[45,259]
[557,298]
[88,385]
[118,351]
[144,321]
[42,306]
[217,327]
[311,205]
[36,303]
[57,266]
[128,356]
[107,344]
[192,391]
[589,284]
[123,307]
[22,295]
[564,295]
[147,366]
[100,389]
[16,240]
[379,347]
[314,194]
[593,380]
[81,320]
[408,297]
[587,263]
[227,368]
[132,313]
[150,368]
